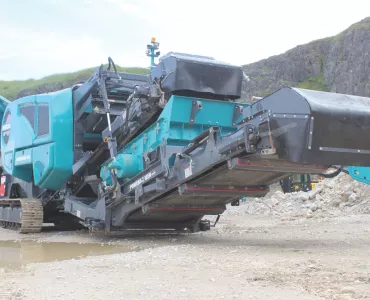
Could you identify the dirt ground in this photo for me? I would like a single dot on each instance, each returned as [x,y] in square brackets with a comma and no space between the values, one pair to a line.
[244,257]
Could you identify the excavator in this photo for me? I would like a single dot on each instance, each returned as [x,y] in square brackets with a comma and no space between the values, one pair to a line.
[160,152]
[300,182]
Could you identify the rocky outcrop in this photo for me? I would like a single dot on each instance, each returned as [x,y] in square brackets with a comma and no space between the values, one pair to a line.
[338,64]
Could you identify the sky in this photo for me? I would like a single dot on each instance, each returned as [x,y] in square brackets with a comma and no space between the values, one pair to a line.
[44,37]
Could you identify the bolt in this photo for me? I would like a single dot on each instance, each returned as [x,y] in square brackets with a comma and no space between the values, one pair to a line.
[251,136]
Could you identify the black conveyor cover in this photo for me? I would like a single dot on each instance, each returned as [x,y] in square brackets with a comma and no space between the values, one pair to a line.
[198,76]
[312,127]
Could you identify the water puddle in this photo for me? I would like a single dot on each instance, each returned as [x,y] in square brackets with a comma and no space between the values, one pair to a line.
[15,254]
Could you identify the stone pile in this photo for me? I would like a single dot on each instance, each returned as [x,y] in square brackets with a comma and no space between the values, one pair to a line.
[333,197]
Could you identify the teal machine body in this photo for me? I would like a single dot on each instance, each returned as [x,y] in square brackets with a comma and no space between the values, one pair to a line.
[174,129]
[37,139]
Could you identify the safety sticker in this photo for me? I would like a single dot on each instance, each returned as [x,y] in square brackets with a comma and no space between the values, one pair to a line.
[188,171]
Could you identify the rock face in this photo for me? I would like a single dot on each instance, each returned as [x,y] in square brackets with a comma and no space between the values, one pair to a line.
[339,64]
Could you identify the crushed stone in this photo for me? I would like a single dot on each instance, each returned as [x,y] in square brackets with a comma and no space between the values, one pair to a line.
[332,197]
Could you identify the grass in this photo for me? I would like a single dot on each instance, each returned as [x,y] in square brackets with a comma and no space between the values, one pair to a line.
[10,89]
[314,83]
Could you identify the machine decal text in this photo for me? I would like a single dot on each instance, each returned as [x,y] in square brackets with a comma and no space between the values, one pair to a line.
[23,158]
[142,180]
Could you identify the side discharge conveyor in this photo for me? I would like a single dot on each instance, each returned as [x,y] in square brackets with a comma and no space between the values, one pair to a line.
[125,152]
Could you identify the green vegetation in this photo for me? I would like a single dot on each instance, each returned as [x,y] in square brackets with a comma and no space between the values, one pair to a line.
[364,24]
[314,83]
[266,69]
[10,89]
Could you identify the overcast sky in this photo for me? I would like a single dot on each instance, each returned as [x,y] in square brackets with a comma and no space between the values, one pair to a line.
[43,37]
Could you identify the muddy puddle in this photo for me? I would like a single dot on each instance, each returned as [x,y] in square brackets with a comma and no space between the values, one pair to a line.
[15,254]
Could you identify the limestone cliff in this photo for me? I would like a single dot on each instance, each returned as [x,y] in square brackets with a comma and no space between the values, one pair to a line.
[338,64]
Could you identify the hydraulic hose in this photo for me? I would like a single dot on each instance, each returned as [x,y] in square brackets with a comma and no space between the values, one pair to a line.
[332,174]
[112,187]
[111,63]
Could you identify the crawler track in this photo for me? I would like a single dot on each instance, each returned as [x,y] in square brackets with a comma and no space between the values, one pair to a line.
[23,215]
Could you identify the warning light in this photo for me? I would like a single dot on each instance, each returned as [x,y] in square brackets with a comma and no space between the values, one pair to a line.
[153,40]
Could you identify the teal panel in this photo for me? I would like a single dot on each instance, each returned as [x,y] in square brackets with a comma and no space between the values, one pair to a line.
[23,157]
[7,158]
[92,136]
[126,165]
[214,113]
[61,136]
[43,163]
[47,134]
[361,174]
[20,135]
[173,126]
[3,104]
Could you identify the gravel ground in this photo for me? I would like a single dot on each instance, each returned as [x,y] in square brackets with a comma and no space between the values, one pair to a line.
[252,257]
[279,253]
